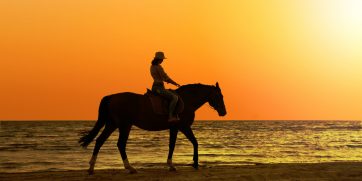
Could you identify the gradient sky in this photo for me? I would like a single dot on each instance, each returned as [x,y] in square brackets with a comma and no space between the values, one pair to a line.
[274,59]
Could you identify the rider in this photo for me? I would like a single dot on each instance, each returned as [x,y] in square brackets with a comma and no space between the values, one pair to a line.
[159,76]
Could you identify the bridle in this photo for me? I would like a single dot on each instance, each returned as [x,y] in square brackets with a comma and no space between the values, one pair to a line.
[213,103]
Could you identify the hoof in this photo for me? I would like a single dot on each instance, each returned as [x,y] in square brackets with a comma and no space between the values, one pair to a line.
[90,171]
[132,170]
[196,166]
[172,169]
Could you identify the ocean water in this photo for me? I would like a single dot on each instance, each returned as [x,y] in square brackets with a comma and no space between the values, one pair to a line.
[53,145]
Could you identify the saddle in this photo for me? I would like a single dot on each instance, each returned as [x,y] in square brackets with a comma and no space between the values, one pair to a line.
[160,104]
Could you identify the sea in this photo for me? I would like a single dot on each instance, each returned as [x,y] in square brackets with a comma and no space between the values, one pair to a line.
[28,146]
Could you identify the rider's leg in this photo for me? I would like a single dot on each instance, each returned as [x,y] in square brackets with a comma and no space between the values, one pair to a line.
[173,101]
[172,97]
[172,106]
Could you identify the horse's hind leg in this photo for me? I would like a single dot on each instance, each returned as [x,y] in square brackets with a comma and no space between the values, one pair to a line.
[122,141]
[100,140]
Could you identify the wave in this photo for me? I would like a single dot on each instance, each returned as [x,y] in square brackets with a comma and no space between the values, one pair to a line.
[354,146]
[53,145]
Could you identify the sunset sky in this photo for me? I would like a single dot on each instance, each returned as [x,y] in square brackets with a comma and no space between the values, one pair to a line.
[273,59]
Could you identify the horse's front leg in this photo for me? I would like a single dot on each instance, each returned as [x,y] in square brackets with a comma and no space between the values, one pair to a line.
[190,135]
[173,137]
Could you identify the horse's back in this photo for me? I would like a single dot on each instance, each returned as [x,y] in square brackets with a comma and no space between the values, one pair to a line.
[124,105]
[120,99]
[135,109]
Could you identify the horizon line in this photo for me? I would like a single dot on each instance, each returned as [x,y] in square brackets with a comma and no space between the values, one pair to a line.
[198,120]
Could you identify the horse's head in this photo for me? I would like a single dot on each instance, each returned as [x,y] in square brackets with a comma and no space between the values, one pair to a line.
[216,100]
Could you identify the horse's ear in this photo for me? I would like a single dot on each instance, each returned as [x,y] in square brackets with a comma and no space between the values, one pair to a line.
[217,85]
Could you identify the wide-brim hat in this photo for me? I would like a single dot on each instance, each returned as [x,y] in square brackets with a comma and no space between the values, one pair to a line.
[160,55]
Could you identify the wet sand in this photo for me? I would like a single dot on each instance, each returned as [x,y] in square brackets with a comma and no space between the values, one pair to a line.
[314,171]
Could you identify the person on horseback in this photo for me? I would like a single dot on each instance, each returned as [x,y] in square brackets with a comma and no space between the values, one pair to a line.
[159,76]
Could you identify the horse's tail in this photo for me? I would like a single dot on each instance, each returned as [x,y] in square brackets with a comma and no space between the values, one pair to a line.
[88,136]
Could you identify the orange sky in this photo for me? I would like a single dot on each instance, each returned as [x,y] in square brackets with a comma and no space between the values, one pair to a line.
[276,59]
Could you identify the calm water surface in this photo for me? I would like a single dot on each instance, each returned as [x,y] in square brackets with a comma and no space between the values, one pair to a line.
[48,145]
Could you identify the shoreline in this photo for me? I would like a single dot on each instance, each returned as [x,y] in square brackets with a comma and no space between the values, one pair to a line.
[279,171]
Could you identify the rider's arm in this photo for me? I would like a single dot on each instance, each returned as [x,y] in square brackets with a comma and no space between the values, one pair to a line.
[165,77]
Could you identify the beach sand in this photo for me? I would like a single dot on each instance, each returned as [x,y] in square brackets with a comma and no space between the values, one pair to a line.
[313,171]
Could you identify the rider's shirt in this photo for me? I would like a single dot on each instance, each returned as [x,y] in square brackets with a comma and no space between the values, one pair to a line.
[159,75]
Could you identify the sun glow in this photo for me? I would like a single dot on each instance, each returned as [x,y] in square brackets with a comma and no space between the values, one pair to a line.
[331,36]
[339,24]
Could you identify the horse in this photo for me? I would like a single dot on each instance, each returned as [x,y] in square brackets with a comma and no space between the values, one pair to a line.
[122,110]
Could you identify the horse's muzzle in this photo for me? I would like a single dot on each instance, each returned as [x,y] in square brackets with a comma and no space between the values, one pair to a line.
[222,113]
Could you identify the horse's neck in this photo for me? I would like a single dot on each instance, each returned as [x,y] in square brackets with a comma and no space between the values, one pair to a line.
[194,100]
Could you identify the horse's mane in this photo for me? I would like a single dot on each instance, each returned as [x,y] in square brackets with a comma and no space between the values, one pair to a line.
[192,86]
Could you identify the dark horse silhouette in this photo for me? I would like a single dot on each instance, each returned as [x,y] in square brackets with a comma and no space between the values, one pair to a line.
[125,109]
